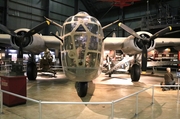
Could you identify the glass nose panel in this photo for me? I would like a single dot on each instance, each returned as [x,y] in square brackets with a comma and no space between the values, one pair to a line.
[92,28]
[68,28]
[80,44]
[68,43]
[93,44]
[91,59]
[80,28]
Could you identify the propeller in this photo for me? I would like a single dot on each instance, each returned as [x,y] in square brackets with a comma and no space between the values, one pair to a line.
[53,22]
[57,37]
[108,34]
[129,30]
[144,40]
[22,36]
[6,30]
[161,32]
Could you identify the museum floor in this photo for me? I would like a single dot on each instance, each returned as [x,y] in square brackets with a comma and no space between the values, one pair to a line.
[103,89]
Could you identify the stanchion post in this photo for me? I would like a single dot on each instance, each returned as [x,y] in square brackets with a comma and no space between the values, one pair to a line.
[40,110]
[136,113]
[1,102]
[178,78]
[152,94]
[112,110]
[178,101]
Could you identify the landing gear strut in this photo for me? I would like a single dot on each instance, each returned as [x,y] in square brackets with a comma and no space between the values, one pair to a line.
[81,88]
[135,72]
[109,65]
[31,69]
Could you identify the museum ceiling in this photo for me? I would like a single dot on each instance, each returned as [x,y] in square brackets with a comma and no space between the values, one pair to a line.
[96,7]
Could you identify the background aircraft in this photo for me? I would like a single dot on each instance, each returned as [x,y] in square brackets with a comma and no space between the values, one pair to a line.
[82,45]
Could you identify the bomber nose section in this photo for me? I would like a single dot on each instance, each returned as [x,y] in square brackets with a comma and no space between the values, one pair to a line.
[82,47]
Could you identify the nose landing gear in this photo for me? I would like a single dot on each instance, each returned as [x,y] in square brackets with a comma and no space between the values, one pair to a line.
[81,88]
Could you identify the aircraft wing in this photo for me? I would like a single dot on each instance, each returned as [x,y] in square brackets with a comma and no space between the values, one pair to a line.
[51,42]
[117,43]
[113,43]
[161,63]
[5,39]
[162,42]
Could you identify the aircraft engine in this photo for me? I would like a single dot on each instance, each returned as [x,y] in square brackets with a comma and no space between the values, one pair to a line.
[133,45]
[34,44]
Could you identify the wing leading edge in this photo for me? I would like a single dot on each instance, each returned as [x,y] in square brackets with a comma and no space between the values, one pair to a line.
[5,38]
[114,43]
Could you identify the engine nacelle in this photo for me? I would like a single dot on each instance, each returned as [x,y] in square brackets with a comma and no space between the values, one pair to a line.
[132,45]
[33,44]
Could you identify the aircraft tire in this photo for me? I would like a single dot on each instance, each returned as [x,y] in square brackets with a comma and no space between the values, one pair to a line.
[81,88]
[31,70]
[135,72]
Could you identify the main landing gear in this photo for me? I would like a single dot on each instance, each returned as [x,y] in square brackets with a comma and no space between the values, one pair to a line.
[135,72]
[81,88]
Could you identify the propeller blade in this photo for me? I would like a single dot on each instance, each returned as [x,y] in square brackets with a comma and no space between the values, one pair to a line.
[110,24]
[144,58]
[108,35]
[20,51]
[37,28]
[172,32]
[161,32]
[6,30]
[129,30]
[53,22]
[56,36]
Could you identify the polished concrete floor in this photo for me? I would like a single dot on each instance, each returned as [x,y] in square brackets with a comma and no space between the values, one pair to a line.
[102,89]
